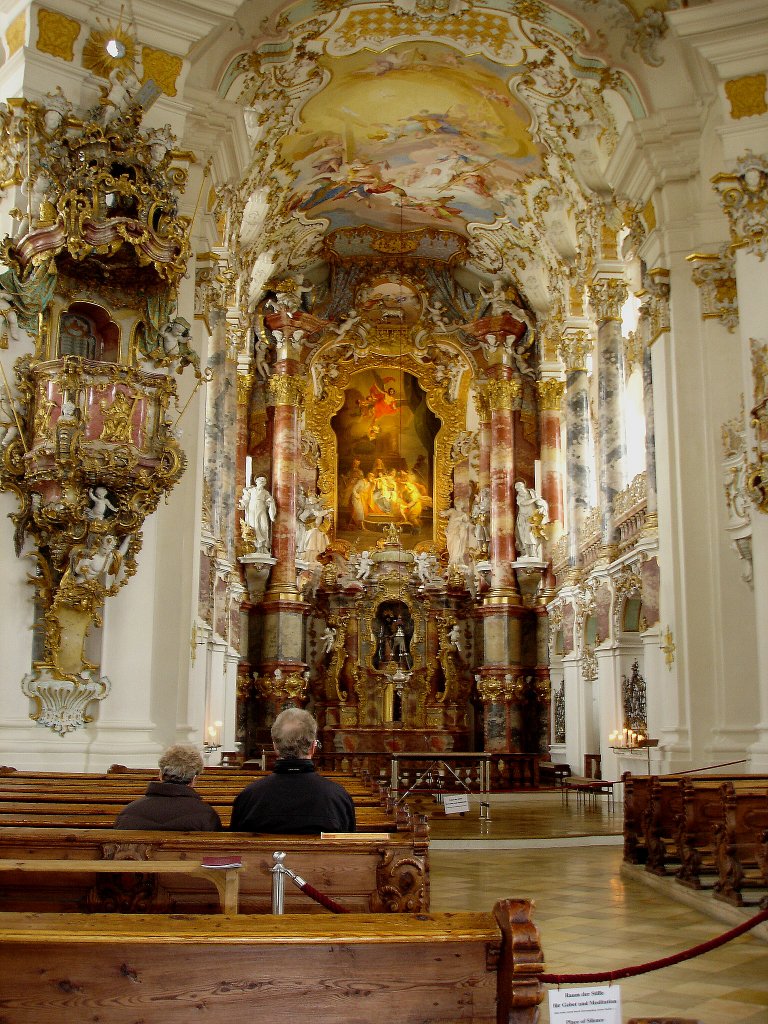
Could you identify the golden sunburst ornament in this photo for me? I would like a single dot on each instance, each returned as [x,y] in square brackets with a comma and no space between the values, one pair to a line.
[108,48]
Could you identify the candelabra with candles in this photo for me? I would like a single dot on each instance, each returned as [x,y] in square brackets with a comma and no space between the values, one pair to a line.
[626,740]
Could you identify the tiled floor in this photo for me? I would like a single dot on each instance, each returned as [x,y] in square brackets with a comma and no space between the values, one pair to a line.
[590,916]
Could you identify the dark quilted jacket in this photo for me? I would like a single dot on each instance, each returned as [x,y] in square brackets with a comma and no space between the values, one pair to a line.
[172,807]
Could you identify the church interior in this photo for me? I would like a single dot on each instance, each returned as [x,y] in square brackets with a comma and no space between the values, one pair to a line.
[403,360]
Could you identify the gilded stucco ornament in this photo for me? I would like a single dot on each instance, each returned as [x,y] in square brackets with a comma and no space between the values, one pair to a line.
[607,294]
[744,198]
[714,274]
[575,348]
[89,447]
[757,470]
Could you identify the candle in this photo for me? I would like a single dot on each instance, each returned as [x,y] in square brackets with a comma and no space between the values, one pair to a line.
[537,476]
[248,470]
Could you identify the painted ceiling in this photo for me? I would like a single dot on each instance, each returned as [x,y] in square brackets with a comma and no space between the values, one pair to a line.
[494,122]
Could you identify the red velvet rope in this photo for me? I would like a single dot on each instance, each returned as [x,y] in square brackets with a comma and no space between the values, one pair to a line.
[656,965]
[321,898]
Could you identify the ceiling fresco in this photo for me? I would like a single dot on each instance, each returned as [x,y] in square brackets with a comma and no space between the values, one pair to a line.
[495,122]
[416,135]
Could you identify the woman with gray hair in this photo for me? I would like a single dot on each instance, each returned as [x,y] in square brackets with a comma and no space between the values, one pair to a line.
[171,804]
[294,799]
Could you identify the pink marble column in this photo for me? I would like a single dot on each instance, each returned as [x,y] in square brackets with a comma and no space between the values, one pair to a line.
[287,392]
[503,398]
[283,633]
[550,397]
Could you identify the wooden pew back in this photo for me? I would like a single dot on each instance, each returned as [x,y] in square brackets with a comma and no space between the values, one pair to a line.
[364,875]
[420,969]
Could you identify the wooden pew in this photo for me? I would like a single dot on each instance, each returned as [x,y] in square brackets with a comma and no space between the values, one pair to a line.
[740,842]
[416,969]
[378,874]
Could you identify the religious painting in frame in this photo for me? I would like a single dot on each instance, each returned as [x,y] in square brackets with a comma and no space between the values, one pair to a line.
[385,441]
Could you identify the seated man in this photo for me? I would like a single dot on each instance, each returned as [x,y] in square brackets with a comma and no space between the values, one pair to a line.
[172,803]
[294,799]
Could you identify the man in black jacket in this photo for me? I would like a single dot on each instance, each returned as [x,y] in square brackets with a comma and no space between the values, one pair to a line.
[171,804]
[294,798]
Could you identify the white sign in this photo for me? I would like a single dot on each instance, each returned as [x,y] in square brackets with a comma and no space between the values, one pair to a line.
[585,1005]
[455,803]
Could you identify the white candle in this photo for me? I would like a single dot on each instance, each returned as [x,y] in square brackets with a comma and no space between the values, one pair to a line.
[248,470]
[537,476]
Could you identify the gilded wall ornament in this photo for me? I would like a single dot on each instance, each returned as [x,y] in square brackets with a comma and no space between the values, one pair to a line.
[284,389]
[746,96]
[654,308]
[715,276]
[57,34]
[15,33]
[162,67]
[744,198]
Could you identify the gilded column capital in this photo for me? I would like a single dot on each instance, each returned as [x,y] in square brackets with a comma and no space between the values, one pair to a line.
[286,390]
[214,282]
[744,198]
[283,689]
[606,297]
[244,387]
[654,306]
[482,403]
[714,274]
[550,393]
[504,395]
[574,348]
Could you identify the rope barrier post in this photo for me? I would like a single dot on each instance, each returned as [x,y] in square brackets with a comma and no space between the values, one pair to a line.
[278,884]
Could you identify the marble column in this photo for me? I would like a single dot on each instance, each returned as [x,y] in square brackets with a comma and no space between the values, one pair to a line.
[503,398]
[283,639]
[575,346]
[550,393]
[607,295]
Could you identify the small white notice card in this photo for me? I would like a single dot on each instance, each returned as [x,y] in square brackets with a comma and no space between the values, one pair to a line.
[455,803]
[585,1005]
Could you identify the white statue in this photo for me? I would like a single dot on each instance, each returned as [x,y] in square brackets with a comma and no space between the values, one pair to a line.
[454,636]
[314,539]
[10,417]
[458,533]
[174,334]
[426,566]
[261,356]
[104,562]
[100,503]
[8,313]
[328,639]
[481,508]
[123,87]
[532,514]
[365,565]
[322,372]
[37,208]
[260,511]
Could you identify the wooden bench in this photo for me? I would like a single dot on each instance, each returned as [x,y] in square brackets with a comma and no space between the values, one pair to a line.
[224,879]
[740,843]
[417,969]
[377,874]
[557,773]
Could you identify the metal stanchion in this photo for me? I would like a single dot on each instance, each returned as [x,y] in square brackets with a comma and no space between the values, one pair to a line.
[278,884]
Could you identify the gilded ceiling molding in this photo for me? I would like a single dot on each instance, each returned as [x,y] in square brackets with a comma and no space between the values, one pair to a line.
[607,295]
[56,34]
[747,96]
[714,275]
[550,394]
[744,198]
[655,303]
[575,346]
[286,390]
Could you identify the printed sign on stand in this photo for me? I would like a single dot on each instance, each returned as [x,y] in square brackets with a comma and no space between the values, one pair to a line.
[455,803]
[585,1005]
